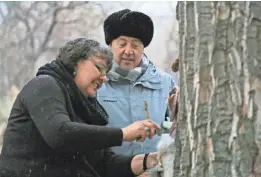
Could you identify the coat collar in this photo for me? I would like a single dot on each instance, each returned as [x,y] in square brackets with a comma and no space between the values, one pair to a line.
[151,79]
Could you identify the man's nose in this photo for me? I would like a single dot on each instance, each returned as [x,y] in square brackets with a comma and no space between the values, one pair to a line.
[128,50]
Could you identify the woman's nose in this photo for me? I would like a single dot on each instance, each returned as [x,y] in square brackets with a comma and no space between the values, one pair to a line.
[104,78]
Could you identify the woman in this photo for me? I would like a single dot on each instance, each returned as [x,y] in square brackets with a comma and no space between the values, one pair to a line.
[57,128]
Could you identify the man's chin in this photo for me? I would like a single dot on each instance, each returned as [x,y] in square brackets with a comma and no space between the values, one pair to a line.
[127,65]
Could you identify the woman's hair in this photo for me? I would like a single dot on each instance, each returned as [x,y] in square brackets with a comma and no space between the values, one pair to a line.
[83,49]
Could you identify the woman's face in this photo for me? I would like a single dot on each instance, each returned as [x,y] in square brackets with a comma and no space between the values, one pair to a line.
[90,75]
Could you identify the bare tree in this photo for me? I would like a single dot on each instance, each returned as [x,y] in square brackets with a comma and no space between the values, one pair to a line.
[33,30]
[218,132]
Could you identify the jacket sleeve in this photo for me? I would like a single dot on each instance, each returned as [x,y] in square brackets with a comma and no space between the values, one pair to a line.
[44,100]
[117,165]
[173,84]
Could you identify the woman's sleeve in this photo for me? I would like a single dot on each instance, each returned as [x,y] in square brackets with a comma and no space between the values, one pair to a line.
[117,165]
[45,102]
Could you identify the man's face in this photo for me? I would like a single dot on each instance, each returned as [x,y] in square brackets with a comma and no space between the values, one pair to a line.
[127,51]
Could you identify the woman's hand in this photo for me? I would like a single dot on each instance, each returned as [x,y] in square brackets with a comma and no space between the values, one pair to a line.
[140,129]
[137,163]
[145,174]
[152,160]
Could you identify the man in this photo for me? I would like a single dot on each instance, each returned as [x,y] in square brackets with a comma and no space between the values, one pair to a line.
[133,80]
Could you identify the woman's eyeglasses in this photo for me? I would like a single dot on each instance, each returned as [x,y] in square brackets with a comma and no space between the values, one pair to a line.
[100,67]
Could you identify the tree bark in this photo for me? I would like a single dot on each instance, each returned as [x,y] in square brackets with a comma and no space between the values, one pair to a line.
[219,120]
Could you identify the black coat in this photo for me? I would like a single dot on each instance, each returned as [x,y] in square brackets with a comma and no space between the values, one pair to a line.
[42,141]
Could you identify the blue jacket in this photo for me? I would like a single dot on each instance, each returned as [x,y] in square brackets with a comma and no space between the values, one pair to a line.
[124,102]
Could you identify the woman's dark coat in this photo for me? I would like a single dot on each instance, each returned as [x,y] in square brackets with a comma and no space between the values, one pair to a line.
[42,140]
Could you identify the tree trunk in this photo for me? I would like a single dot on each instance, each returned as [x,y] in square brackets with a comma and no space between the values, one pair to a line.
[219,120]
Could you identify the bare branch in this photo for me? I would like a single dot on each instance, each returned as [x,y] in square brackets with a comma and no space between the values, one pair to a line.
[28,28]
[49,32]
[54,22]
[69,22]
[104,13]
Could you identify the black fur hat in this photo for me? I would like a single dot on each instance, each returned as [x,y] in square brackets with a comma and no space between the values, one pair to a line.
[128,23]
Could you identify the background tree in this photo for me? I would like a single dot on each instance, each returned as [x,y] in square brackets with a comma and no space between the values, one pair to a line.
[33,30]
[219,121]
